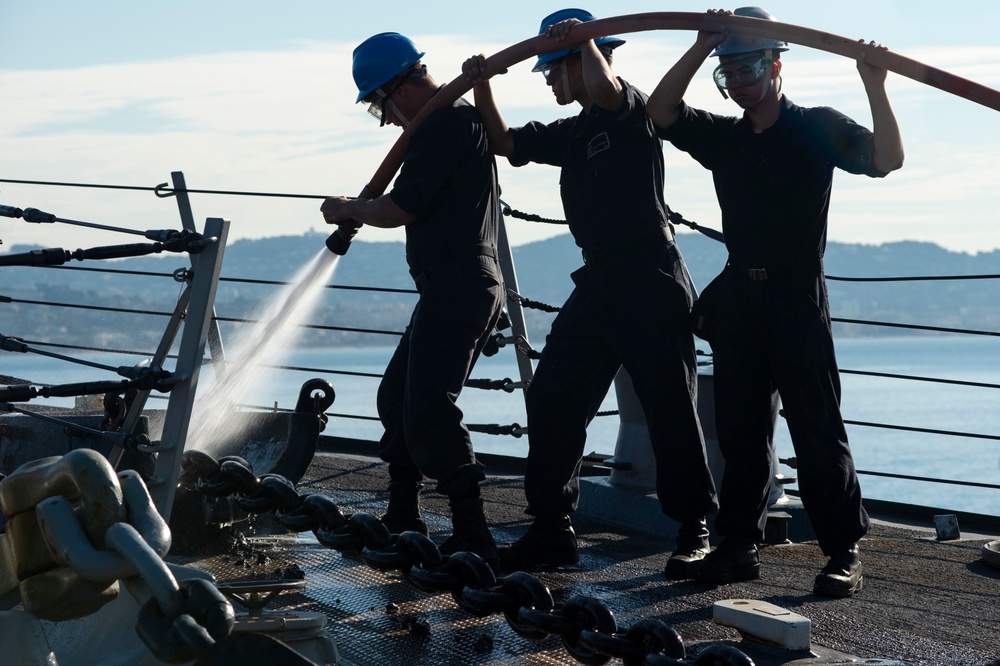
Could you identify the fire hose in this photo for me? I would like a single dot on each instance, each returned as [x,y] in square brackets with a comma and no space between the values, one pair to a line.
[340,240]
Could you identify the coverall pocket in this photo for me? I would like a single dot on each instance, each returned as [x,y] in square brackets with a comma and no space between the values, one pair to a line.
[703,310]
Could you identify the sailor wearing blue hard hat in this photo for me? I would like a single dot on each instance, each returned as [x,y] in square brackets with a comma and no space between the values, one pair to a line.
[447,198]
[629,307]
[745,59]
[772,167]
[554,64]
[381,65]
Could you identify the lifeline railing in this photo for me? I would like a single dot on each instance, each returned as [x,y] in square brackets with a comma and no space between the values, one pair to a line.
[196,301]
[517,338]
[588,629]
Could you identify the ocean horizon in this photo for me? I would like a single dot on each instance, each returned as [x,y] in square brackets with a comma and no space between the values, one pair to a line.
[880,401]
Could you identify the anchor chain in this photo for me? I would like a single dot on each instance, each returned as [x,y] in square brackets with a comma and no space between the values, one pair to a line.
[98,528]
[585,624]
[77,529]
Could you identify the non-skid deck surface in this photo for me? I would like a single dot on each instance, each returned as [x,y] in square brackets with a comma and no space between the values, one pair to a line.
[924,602]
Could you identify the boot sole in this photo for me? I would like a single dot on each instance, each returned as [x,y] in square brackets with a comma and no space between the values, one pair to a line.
[678,567]
[677,570]
[827,589]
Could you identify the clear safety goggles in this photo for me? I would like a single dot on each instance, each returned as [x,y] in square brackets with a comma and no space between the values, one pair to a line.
[552,69]
[378,100]
[745,71]
[376,106]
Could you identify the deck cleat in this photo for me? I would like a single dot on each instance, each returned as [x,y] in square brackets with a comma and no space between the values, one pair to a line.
[301,631]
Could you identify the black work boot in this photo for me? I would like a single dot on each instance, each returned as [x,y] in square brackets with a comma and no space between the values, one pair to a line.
[841,577]
[735,559]
[692,545]
[469,530]
[403,512]
[549,542]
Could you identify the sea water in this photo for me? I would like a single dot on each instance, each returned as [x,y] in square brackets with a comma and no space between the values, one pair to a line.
[876,400]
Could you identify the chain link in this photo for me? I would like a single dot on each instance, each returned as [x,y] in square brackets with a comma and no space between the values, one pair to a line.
[72,548]
[178,621]
[97,528]
[585,624]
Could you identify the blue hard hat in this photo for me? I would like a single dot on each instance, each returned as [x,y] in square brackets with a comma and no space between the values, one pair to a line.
[736,44]
[380,58]
[544,59]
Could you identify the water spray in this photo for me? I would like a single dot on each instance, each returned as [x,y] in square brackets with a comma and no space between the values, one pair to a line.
[279,324]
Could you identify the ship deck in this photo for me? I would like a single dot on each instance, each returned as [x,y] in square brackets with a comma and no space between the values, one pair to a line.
[925,601]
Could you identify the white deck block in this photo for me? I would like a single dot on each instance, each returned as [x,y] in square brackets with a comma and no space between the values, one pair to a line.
[763,622]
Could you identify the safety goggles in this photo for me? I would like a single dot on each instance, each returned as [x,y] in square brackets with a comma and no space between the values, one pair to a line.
[552,68]
[377,101]
[745,71]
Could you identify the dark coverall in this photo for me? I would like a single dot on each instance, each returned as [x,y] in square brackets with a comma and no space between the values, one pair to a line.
[629,307]
[448,180]
[772,317]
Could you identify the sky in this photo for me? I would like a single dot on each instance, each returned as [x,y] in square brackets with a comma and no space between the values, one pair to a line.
[258,96]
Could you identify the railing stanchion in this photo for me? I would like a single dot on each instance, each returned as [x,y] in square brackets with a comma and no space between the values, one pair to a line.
[514,309]
[177,420]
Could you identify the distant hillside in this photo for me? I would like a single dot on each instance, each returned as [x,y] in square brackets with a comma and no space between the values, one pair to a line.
[543,270]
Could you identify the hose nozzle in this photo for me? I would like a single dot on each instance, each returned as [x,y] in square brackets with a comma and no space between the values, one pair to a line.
[339,242]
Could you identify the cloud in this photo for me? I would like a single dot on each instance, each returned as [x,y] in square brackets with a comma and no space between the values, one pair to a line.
[285,121]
